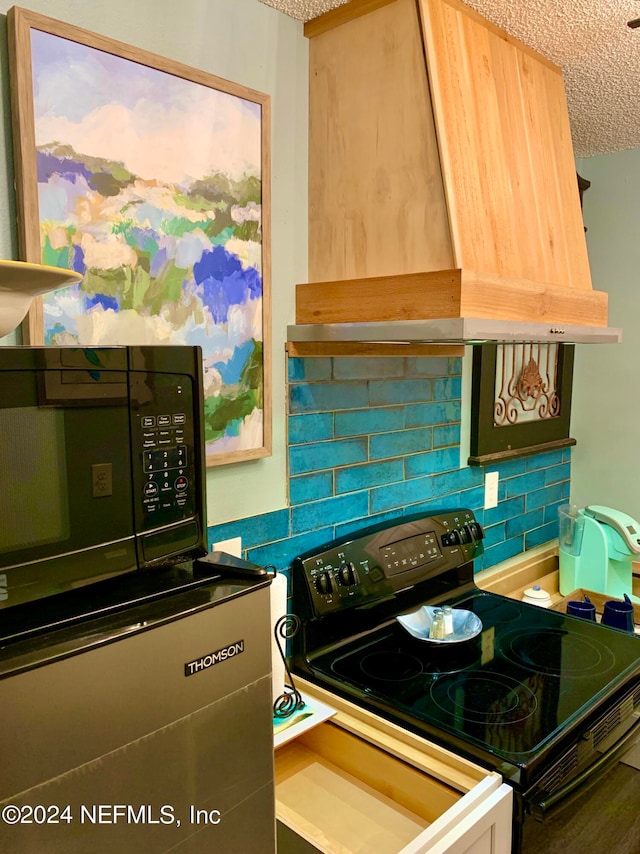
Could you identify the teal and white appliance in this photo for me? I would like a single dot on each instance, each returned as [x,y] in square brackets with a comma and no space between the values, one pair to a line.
[597,547]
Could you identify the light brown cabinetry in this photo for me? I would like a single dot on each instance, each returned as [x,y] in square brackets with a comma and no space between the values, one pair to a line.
[441,174]
[359,784]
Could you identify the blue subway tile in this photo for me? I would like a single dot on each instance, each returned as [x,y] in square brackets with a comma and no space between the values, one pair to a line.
[433,462]
[399,443]
[282,554]
[372,367]
[309,516]
[253,530]
[473,499]
[540,497]
[447,389]
[309,370]
[521,524]
[510,468]
[326,455]
[543,460]
[525,483]
[426,414]
[227,531]
[543,534]
[505,510]
[457,478]
[310,487]
[361,422]
[388,392]
[434,506]
[398,495]
[326,397]
[310,428]
[557,473]
[478,512]
[551,512]
[446,435]
[494,534]
[503,551]
[351,478]
[356,526]
[428,366]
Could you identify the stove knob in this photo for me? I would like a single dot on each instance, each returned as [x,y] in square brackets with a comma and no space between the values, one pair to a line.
[347,575]
[451,538]
[323,584]
[476,530]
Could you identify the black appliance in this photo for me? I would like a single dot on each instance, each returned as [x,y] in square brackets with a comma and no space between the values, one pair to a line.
[545,699]
[101,464]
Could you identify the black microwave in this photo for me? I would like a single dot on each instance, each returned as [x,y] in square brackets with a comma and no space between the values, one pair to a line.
[102,466]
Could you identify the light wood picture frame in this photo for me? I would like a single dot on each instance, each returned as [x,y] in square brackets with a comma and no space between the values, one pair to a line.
[152,179]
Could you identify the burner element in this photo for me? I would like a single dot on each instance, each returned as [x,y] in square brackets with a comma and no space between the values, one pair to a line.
[484,698]
[494,612]
[557,652]
[390,666]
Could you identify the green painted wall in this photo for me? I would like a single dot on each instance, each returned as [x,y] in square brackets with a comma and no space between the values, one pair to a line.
[249,43]
[606,398]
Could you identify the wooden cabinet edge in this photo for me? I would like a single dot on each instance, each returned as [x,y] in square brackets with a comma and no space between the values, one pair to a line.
[307,349]
[436,761]
[342,15]
[448,293]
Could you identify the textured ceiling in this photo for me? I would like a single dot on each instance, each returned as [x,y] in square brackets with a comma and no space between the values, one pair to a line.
[589,39]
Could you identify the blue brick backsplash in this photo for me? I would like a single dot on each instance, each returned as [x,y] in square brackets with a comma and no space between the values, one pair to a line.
[375,439]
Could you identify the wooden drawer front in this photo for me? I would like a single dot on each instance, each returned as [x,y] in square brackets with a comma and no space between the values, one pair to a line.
[342,794]
[337,793]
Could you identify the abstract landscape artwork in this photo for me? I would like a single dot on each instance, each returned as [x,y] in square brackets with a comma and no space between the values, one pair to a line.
[151,179]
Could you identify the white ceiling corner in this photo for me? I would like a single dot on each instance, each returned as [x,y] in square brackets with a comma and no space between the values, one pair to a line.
[589,39]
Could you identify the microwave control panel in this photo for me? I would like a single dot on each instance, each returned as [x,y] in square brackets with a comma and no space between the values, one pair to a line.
[165,451]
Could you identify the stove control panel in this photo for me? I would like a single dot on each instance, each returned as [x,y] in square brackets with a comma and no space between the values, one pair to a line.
[382,561]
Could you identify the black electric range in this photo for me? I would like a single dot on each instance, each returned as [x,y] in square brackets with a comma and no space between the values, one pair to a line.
[543,698]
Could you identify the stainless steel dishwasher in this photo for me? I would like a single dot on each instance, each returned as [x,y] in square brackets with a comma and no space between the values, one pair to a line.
[139,719]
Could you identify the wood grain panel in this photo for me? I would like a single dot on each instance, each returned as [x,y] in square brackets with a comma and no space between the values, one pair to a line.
[447,293]
[506,152]
[307,349]
[376,200]
[19,44]
[340,15]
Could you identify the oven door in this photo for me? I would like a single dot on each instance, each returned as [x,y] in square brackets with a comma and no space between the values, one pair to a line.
[580,810]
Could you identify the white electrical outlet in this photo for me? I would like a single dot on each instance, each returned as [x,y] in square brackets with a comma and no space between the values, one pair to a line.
[491,490]
[231,547]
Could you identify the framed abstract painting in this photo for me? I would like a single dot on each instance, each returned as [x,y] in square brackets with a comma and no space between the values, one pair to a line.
[152,180]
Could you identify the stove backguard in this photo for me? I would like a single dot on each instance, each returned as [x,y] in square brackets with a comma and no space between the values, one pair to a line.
[385,560]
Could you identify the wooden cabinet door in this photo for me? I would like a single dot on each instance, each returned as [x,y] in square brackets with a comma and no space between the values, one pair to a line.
[506,153]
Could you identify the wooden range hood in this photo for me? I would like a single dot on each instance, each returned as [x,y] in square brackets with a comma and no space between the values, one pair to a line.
[443,196]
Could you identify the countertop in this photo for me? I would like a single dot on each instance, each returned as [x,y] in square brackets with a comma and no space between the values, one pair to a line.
[537,566]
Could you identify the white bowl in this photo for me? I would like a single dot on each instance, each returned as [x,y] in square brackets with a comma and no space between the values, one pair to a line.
[466,624]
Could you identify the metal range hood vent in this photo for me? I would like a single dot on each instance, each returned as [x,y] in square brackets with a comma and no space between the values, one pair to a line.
[457,330]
